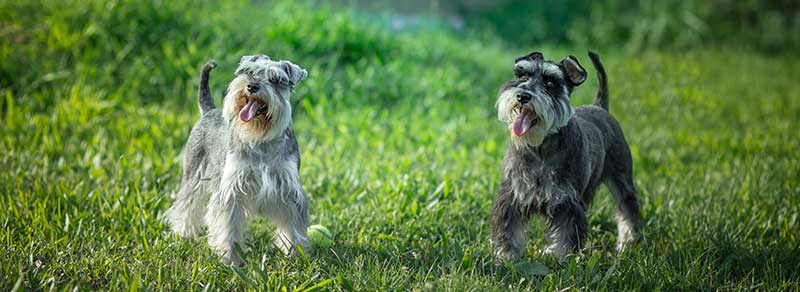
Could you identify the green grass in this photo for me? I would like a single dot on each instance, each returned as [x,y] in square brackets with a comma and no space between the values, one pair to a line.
[401,155]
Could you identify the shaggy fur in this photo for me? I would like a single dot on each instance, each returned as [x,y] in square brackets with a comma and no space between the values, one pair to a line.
[242,160]
[557,158]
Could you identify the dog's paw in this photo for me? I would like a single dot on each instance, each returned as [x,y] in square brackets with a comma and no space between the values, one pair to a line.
[627,241]
[289,246]
[291,251]
[549,250]
[186,234]
[505,255]
[184,229]
[559,252]
[232,259]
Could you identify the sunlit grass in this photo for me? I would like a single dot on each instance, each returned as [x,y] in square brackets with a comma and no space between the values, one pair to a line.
[401,155]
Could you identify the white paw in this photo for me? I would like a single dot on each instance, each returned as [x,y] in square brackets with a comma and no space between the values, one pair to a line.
[232,259]
[555,250]
[625,243]
[503,255]
[184,230]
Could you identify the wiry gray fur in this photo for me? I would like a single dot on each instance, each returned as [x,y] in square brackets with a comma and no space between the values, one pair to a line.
[231,172]
[204,99]
[558,177]
[601,97]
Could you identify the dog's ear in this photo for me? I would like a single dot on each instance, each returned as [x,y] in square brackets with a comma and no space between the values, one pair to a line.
[533,56]
[525,63]
[294,72]
[246,63]
[253,58]
[574,71]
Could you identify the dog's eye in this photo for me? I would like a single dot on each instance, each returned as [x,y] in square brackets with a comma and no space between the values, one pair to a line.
[548,82]
[277,80]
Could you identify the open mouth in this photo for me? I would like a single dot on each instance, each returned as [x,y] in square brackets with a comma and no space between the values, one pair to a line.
[252,109]
[525,120]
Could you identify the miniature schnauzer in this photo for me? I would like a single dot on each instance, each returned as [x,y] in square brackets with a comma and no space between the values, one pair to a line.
[557,157]
[242,160]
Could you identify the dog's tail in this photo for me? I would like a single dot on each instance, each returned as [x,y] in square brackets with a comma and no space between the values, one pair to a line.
[204,98]
[601,98]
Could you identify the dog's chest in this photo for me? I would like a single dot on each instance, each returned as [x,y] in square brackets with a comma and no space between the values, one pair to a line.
[535,183]
[259,177]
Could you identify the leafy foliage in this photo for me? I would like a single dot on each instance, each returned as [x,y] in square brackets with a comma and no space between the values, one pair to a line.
[635,25]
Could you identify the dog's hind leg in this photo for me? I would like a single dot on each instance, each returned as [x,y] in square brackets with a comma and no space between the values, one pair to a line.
[185,217]
[627,214]
[509,225]
[618,178]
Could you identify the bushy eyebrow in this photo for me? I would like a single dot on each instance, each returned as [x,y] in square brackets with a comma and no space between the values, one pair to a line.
[524,65]
[551,70]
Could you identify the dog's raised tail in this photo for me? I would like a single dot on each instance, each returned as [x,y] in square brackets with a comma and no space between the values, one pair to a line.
[601,98]
[204,98]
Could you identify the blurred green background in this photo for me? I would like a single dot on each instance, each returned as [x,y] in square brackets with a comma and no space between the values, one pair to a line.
[630,25]
[400,141]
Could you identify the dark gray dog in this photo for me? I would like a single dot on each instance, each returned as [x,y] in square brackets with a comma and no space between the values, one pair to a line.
[557,157]
[242,160]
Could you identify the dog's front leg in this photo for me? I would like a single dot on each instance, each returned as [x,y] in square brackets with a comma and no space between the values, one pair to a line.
[566,229]
[509,225]
[226,217]
[291,220]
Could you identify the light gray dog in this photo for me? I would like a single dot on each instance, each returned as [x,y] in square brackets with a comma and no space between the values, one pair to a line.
[242,160]
[557,157]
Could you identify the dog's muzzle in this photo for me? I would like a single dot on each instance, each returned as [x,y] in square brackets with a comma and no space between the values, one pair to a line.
[523,97]
[526,119]
[252,109]
[524,113]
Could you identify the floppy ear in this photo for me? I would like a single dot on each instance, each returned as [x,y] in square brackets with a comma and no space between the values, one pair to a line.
[253,58]
[574,71]
[532,56]
[294,72]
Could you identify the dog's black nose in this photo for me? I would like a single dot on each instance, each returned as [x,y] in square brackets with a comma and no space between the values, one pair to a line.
[252,87]
[523,97]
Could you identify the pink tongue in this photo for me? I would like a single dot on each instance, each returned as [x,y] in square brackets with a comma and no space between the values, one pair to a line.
[523,123]
[249,110]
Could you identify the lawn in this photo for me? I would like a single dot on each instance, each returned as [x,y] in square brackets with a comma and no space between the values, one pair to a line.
[401,154]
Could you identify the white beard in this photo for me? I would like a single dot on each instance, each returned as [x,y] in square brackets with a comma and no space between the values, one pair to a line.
[255,131]
[508,110]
